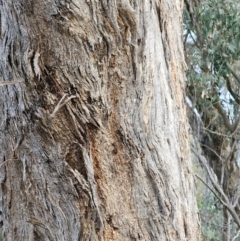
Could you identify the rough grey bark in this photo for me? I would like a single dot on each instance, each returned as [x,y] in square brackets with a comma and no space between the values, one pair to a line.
[94,142]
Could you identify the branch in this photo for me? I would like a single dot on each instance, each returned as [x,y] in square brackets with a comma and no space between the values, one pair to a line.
[217,133]
[222,112]
[231,127]
[215,194]
[186,37]
[194,19]
[235,124]
[213,152]
[234,74]
[194,41]
[234,95]
[224,200]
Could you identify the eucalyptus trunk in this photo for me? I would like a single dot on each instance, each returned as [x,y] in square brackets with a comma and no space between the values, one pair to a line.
[93,135]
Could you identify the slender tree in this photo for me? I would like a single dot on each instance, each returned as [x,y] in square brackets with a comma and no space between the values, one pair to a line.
[93,135]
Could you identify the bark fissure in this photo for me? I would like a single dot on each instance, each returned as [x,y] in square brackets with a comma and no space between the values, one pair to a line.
[100,100]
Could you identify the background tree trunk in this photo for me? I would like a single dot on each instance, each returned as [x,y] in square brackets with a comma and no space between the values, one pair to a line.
[94,142]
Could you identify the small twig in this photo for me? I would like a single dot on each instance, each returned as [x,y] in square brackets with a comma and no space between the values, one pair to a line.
[10,82]
[222,113]
[60,104]
[217,133]
[229,87]
[236,236]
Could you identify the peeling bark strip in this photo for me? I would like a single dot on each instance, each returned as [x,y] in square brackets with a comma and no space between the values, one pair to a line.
[10,82]
[99,126]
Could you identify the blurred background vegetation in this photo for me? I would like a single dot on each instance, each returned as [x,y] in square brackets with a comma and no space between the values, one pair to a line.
[211,31]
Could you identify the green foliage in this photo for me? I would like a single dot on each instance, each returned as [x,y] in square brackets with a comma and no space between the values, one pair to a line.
[211,217]
[212,50]
[212,45]
[217,34]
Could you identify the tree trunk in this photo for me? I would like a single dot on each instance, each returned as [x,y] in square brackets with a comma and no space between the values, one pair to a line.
[94,142]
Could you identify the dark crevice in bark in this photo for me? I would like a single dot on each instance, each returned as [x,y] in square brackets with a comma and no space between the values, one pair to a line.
[85,123]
